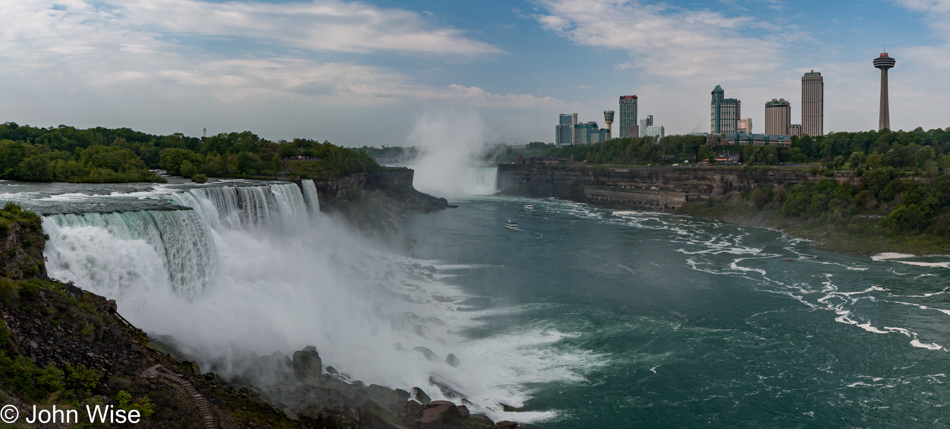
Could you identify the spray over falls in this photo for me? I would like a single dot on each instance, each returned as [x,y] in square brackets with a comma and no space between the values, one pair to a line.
[450,144]
[256,269]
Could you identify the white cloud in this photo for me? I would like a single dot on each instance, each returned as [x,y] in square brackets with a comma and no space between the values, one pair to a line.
[125,64]
[665,41]
[318,25]
[928,6]
[936,13]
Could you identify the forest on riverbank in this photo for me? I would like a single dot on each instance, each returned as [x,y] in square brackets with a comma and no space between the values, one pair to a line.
[916,149]
[103,155]
[897,196]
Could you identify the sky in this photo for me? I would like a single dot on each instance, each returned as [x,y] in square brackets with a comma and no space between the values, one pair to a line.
[374,72]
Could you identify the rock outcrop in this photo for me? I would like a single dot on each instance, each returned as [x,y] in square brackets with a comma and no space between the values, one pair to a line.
[376,203]
[21,244]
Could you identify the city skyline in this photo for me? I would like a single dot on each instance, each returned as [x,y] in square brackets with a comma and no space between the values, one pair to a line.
[368,72]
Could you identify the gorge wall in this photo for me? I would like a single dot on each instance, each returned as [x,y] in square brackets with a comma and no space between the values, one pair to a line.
[376,203]
[650,188]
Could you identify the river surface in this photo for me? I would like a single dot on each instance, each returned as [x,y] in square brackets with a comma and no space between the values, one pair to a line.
[652,320]
[584,317]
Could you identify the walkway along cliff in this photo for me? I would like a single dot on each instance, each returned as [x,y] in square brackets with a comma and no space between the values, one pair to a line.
[644,188]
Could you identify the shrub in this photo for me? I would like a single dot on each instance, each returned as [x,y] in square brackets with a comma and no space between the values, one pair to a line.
[143,404]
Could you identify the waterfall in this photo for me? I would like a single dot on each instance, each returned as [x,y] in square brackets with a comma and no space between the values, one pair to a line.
[179,246]
[112,250]
[482,180]
[310,195]
[455,182]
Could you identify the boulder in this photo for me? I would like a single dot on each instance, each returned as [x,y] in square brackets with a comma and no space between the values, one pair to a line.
[452,360]
[403,395]
[382,396]
[195,369]
[509,408]
[448,388]
[507,424]
[439,403]
[291,415]
[429,354]
[440,416]
[463,410]
[419,395]
[307,363]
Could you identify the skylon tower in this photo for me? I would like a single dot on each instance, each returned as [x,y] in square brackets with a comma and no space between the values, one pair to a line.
[884,62]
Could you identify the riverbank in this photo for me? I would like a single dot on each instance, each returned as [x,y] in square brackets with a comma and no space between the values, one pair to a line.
[861,236]
[854,212]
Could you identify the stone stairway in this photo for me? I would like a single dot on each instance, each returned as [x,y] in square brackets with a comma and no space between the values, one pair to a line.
[204,407]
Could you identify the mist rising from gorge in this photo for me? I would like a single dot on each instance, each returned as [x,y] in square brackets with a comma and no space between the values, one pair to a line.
[451,144]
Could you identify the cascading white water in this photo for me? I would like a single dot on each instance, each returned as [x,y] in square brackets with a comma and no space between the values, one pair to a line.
[310,195]
[455,182]
[148,248]
[257,269]
[482,180]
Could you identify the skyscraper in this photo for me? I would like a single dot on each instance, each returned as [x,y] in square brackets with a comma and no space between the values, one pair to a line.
[628,117]
[884,62]
[778,117]
[813,104]
[655,131]
[565,130]
[644,123]
[587,133]
[724,113]
[744,125]
[795,130]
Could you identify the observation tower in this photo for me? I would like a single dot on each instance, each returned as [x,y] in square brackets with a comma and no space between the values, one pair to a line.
[609,119]
[884,62]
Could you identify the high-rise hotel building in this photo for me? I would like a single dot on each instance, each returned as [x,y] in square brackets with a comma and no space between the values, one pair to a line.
[778,117]
[565,129]
[724,113]
[813,104]
[628,117]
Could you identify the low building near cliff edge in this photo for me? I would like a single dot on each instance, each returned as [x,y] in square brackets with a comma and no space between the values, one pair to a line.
[745,139]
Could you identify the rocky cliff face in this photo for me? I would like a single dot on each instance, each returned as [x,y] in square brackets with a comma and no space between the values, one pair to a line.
[21,244]
[376,203]
[644,185]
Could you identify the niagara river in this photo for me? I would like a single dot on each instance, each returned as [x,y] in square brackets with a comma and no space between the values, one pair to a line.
[582,317]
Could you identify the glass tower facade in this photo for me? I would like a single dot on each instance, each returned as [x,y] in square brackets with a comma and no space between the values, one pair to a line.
[628,117]
[564,133]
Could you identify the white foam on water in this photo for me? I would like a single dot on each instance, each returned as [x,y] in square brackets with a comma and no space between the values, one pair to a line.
[890,255]
[68,197]
[931,346]
[927,264]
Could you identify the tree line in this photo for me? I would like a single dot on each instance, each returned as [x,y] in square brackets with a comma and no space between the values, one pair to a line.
[68,154]
[916,149]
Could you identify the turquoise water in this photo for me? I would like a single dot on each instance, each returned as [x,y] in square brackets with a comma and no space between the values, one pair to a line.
[667,321]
